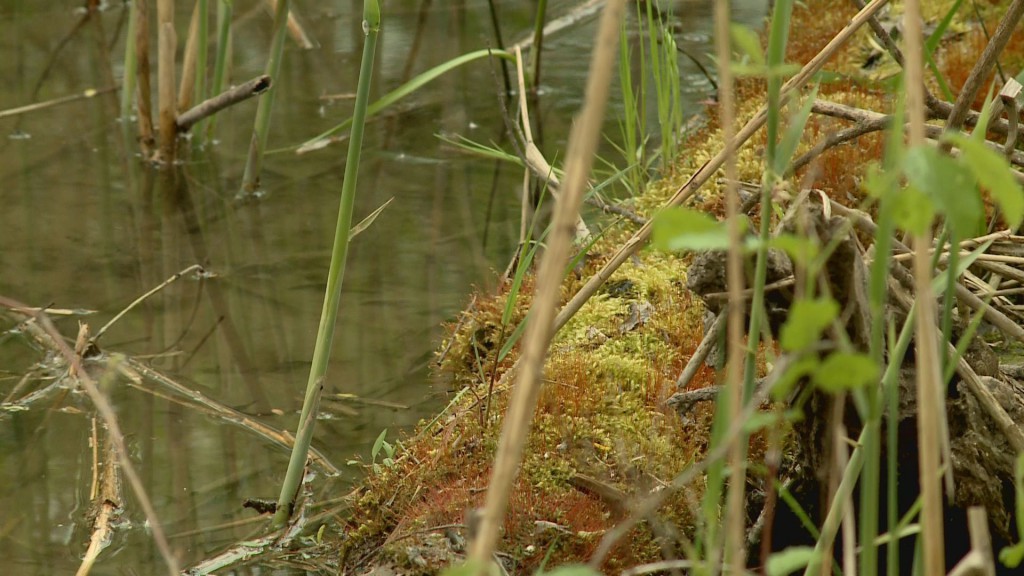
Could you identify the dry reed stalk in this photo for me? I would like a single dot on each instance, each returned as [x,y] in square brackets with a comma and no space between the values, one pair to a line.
[106,412]
[84,95]
[525,209]
[929,431]
[735,553]
[143,91]
[582,147]
[166,45]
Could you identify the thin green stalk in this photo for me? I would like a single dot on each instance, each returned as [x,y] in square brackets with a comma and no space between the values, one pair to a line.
[130,65]
[628,123]
[224,16]
[877,298]
[251,178]
[496,25]
[538,43]
[201,59]
[855,464]
[339,254]
[776,54]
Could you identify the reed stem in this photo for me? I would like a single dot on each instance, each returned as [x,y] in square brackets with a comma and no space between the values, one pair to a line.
[254,162]
[166,46]
[336,274]
[220,65]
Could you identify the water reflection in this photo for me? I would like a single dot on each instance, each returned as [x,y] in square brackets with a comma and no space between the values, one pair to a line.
[85,226]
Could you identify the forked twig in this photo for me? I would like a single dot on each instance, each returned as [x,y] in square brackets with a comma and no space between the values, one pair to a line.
[141,299]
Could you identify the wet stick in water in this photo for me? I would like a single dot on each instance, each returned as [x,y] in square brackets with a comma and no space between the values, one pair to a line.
[339,254]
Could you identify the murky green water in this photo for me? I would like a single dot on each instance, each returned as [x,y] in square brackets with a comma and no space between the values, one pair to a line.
[84,225]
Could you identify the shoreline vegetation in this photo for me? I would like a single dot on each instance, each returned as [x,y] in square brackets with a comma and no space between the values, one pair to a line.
[796,346]
[618,418]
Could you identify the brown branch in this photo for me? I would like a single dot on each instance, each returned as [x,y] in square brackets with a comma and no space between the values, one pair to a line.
[959,112]
[229,97]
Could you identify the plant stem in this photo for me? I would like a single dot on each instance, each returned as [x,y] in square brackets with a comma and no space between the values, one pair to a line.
[166,46]
[926,345]
[224,15]
[130,64]
[254,162]
[339,254]
[735,557]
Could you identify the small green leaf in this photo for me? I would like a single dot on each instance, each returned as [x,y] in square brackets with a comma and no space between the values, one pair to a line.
[913,210]
[807,319]
[981,126]
[940,282]
[949,184]
[800,249]
[799,369]
[687,229]
[789,560]
[846,371]
[876,182]
[760,420]
[793,134]
[366,222]
[994,173]
[748,43]
[378,444]
[1011,556]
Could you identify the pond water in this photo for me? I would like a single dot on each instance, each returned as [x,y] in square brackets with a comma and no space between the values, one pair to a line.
[85,226]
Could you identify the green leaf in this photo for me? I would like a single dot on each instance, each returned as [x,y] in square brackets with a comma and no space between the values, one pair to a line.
[913,210]
[940,282]
[995,175]
[799,369]
[402,91]
[748,43]
[877,182]
[687,229]
[378,444]
[800,249]
[1011,556]
[807,319]
[981,126]
[949,184]
[789,560]
[366,222]
[846,371]
[793,134]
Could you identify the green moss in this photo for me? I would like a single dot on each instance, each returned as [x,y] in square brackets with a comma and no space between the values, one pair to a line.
[601,411]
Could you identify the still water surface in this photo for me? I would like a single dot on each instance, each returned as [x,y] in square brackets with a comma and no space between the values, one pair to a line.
[84,225]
